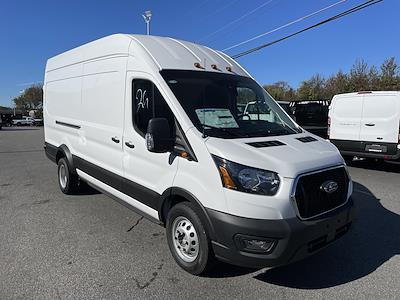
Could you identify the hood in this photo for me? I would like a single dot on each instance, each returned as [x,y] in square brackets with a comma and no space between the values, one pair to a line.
[290,159]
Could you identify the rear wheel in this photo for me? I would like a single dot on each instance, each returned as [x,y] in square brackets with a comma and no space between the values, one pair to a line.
[188,240]
[68,182]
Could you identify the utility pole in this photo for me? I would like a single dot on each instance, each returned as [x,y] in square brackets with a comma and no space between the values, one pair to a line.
[147,17]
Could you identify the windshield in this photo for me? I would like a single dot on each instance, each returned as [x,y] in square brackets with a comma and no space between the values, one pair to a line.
[228,106]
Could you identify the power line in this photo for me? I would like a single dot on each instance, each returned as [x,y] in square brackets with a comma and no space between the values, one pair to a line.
[235,21]
[222,8]
[285,25]
[342,14]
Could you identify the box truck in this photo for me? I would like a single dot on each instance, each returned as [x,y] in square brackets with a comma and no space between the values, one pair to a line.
[158,124]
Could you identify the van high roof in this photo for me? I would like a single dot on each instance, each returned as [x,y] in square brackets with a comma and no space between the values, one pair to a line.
[158,52]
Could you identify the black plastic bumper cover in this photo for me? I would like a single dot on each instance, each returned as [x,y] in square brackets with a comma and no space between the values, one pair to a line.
[358,148]
[295,239]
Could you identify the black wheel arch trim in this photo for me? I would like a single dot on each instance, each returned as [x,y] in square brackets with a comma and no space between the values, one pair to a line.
[53,152]
[67,154]
[188,196]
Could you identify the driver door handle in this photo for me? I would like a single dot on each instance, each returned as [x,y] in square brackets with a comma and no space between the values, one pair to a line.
[370,124]
[130,144]
[115,139]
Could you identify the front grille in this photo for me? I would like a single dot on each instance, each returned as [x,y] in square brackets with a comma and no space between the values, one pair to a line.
[312,200]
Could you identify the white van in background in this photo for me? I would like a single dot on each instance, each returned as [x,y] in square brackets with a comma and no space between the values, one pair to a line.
[366,124]
[158,124]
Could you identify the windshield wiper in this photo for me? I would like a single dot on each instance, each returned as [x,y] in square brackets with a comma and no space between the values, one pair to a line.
[269,132]
[222,129]
[281,132]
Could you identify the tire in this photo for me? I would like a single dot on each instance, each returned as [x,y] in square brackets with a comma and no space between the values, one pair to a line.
[188,240]
[68,182]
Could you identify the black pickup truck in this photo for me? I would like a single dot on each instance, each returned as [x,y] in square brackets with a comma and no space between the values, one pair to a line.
[311,115]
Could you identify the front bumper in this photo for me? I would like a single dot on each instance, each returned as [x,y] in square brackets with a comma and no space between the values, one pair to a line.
[295,239]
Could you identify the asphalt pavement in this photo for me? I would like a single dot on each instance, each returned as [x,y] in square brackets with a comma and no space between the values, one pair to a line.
[88,246]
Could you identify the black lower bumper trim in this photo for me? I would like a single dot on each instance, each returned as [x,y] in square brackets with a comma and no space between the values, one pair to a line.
[295,239]
[51,151]
[371,155]
[360,149]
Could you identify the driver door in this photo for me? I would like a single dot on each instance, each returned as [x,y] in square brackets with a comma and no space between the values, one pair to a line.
[147,175]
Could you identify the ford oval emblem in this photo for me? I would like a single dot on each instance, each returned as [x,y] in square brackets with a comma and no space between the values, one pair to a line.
[329,186]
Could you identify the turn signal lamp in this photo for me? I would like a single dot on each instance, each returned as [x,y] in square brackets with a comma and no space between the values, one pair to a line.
[184,154]
[226,178]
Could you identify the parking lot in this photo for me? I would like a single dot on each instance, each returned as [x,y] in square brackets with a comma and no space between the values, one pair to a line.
[54,246]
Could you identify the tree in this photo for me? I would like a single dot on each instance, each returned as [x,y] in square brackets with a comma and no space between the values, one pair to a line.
[374,79]
[336,84]
[312,89]
[359,76]
[30,99]
[389,79]
[281,90]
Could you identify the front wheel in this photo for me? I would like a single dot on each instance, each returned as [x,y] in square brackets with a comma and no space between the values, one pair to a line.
[188,240]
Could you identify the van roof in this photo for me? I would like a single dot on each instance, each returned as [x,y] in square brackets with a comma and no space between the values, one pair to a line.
[162,52]
[368,92]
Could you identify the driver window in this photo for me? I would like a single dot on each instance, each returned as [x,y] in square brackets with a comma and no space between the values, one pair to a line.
[147,103]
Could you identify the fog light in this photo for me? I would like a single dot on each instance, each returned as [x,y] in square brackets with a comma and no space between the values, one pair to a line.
[254,244]
[257,245]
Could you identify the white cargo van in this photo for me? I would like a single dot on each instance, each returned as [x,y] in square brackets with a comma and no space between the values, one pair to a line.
[158,124]
[366,124]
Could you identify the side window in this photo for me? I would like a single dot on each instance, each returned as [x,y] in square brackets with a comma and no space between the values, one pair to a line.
[148,103]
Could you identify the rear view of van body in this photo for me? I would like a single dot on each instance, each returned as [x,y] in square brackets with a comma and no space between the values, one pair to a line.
[366,124]
[161,126]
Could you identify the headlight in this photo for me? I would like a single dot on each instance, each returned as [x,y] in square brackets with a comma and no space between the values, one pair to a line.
[247,179]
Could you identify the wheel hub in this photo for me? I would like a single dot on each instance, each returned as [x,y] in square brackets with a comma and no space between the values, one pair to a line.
[186,240]
[63,176]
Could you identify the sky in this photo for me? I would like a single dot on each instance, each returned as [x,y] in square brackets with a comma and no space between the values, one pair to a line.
[33,31]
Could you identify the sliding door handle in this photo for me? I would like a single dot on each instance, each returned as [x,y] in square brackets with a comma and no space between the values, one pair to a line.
[370,124]
[115,139]
[130,144]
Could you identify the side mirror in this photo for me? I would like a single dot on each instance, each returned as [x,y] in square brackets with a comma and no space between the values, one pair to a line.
[158,136]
